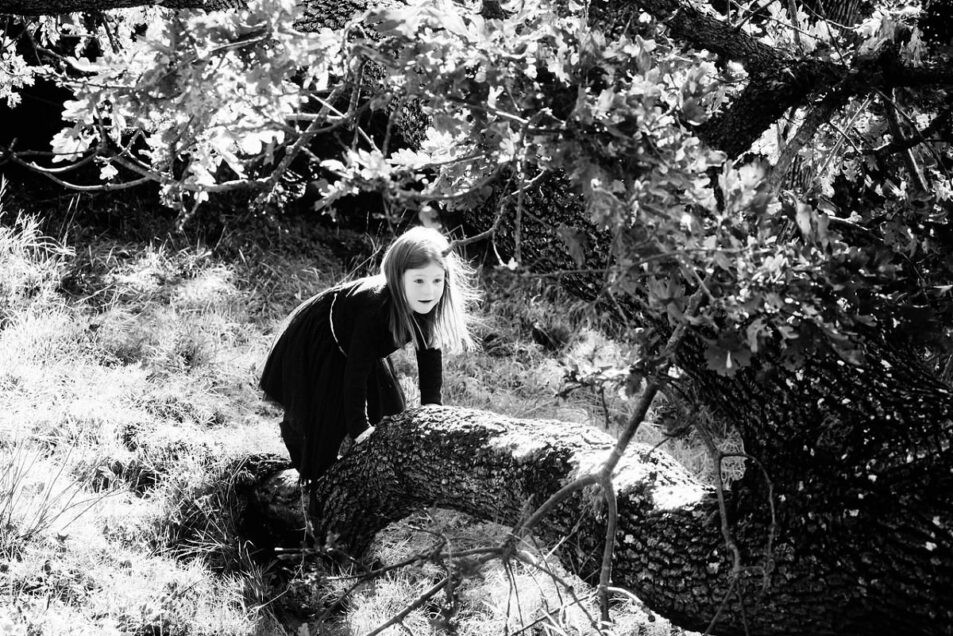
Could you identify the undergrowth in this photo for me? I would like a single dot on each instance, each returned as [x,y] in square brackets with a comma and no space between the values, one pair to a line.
[128,394]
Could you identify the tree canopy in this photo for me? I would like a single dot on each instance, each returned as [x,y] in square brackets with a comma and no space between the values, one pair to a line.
[759,193]
[792,168]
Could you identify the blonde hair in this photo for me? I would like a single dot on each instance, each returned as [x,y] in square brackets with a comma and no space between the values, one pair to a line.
[449,325]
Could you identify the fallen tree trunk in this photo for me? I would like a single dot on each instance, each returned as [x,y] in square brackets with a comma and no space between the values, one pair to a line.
[670,549]
[857,457]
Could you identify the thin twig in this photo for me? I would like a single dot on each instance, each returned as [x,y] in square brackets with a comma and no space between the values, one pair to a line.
[424,197]
[400,616]
[549,614]
[500,212]
[721,607]
[12,155]
[352,108]
[780,22]
[104,187]
[638,416]
[303,140]
[940,161]
[773,527]
[526,526]
[843,137]
[389,130]
[612,524]
[718,456]
[735,574]
[750,13]
[916,174]
[528,559]
[942,120]
[792,12]
[823,16]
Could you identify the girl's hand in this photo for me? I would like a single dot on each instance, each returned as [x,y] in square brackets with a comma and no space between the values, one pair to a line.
[363,436]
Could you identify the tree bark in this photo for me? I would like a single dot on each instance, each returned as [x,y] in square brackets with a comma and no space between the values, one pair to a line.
[858,462]
[839,563]
[861,464]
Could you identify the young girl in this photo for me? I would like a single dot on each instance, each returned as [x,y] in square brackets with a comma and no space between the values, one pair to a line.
[328,366]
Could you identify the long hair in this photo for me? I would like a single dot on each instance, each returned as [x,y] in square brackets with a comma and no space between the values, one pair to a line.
[448,324]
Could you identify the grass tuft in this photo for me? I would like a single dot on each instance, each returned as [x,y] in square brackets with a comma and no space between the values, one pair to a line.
[37,496]
[128,394]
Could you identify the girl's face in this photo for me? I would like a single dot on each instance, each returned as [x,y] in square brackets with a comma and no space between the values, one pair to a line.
[423,287]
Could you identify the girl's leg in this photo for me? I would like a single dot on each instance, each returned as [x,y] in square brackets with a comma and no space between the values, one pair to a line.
[293,438]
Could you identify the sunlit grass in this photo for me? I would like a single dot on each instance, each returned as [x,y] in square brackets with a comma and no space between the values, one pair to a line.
[128,392]
[115,517]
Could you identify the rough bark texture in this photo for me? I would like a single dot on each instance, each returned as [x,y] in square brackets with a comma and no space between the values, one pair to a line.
[862,468]
[852,556]
[859,458]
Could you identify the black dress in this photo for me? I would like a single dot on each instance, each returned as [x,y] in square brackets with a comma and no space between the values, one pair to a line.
[328,368]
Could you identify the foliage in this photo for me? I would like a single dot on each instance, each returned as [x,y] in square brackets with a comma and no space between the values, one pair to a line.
[205,102]
[541,91]
[186,100]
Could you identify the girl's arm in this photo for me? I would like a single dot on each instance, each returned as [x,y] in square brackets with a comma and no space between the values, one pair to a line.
[430,373]
[361,357]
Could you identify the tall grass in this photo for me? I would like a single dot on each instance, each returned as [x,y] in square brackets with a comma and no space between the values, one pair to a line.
[32,265]
[114,397]
[36,496]
[128,393]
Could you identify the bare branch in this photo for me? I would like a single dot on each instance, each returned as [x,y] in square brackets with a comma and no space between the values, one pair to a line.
[489,233]
[525,557]
[792,14]
[303,140]
[942,123]
[773,527]
[819,114]
[418,602]
[843,136]
[721,606]
[916,174]
[612,524]
[548,615]
[51,175]
[559,496]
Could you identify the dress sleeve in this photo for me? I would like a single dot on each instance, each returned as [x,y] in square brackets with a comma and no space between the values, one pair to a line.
[361,357]
[430,373]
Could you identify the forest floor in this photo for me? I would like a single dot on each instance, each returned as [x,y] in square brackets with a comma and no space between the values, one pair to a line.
[128,370]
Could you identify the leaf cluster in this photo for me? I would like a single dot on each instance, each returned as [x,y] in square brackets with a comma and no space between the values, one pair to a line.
[852,238]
